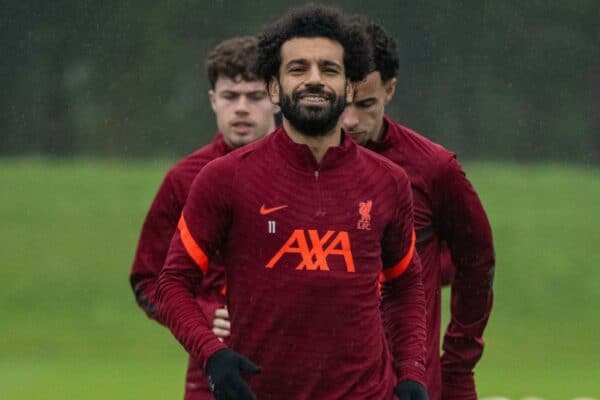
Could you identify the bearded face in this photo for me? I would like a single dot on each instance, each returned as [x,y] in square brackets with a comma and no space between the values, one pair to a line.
[311,87]
[312,110]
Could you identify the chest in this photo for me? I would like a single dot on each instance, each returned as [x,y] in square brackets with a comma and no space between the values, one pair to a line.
[312,221]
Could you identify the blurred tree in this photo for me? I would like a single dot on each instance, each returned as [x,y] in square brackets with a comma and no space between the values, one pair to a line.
[502,80]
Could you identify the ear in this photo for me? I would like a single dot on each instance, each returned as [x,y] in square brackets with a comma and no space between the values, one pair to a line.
[350,89]
[390,89]
[274,90]
[213,98]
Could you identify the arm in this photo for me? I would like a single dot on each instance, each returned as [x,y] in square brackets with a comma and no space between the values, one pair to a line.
[403,298]
[465,227]
[157,231]
[448,270]
[200,232]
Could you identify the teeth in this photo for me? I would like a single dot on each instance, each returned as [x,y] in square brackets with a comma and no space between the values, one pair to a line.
[314,98]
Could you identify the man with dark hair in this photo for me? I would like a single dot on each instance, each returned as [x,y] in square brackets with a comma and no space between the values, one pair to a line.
[448,215]
[308,225]
[244,114]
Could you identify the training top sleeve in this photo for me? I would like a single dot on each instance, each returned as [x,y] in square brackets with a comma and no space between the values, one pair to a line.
[465,228]
[403,298]
[157,231]
[201,230]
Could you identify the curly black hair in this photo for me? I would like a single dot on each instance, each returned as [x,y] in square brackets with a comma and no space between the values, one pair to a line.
[311,21]
[385,51]
[232,58]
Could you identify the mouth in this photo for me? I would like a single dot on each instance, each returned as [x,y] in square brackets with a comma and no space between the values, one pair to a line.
[313,99]
[242,127]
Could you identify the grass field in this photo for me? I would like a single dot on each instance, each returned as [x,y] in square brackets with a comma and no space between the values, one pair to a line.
[71,329]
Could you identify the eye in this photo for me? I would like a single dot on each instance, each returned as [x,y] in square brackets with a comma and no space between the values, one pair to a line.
[229,95]
[365,103]
[257,96]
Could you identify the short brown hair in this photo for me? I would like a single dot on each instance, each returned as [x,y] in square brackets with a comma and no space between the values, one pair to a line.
[232,58]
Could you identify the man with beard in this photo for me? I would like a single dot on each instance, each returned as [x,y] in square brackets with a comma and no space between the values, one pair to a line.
[448,215]
[308,225]
[244,114]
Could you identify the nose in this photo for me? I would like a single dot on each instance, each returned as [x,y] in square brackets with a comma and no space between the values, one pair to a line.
[241,105]
[349,119]
[314,77]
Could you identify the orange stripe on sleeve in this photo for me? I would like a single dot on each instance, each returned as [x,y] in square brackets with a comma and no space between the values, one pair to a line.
[400,267]
[191,246]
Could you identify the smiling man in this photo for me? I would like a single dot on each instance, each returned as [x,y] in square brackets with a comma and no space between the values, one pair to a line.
[244,114]
[308,225]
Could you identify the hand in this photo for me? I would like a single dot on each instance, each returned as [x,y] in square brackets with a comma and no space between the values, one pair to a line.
[221,324]
[411,390]
[224,370]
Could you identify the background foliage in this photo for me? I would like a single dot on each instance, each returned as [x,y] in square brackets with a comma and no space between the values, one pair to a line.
[489,79]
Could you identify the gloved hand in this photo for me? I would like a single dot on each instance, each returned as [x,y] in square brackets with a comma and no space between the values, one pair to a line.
[224,370]
[411,390]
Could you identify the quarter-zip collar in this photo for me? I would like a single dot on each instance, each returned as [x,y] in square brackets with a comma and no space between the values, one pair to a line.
[300,156]
[386,141]
[221,145]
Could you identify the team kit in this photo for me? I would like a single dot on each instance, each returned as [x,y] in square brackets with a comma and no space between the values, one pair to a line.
[301,253]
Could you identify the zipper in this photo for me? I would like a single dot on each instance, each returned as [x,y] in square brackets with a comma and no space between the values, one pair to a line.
[319,212]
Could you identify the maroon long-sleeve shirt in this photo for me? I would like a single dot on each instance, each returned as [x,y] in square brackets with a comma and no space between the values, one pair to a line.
[448,217]
[304,247]
[158,229]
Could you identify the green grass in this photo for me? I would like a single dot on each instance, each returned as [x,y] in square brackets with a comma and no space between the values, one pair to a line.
[71,329]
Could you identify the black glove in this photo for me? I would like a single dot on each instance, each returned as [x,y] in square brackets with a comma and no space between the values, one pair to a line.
[411,390]
[224,370]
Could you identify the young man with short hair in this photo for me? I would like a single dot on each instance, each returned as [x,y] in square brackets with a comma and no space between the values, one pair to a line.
[448,215]
[307,224]
[244,114]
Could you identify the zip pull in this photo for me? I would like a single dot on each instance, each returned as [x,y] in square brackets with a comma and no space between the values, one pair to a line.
[316,175]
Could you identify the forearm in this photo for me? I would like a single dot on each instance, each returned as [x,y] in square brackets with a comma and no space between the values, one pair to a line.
[183,315]
[403,309]
[471,304]
[155,236]
[144,290]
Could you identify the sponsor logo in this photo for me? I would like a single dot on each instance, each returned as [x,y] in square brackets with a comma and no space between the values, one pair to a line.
[314,250]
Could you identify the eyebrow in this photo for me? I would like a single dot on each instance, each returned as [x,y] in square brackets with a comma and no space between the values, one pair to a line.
[366,100]
[243,91]
[322,63]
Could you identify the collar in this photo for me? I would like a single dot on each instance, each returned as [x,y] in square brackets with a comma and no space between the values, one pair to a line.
[299,155]
[220,144]
[386,141]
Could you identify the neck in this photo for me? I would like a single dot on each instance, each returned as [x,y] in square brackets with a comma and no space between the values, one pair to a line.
[381,131]
[318,145]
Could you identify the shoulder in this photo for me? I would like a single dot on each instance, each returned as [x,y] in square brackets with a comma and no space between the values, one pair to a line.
[410,139]
[183,172]
[250,150]
[417,149]
[378,165]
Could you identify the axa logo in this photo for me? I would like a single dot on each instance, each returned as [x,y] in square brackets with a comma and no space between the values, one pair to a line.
[315,250]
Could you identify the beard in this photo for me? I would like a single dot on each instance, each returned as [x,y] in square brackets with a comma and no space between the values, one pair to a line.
[313,121]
